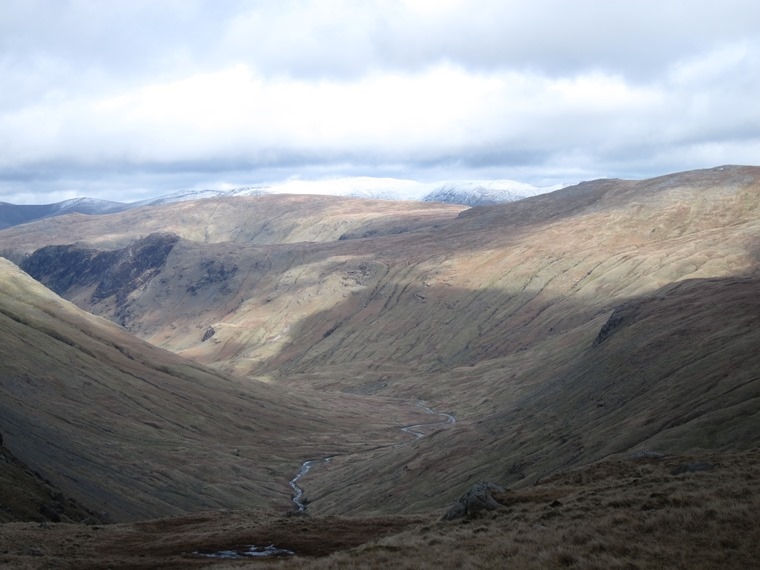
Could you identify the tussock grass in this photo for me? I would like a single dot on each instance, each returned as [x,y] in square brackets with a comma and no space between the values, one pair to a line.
[622,514]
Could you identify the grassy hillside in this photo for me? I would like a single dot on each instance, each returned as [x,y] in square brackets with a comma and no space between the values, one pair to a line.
[262,220]
[601,319]
[624,513]
[135,431]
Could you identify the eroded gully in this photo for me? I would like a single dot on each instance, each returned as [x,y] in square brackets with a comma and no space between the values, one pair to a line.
[415,430]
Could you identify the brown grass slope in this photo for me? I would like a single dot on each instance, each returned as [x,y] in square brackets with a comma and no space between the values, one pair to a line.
[624,513]
[681,374]
[262,220]
[26,496]
[490,283]
[495,315]
[135,431]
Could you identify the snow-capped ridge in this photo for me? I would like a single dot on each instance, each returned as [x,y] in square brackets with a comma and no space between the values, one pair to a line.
[465,192]
[89,206]
[485,192]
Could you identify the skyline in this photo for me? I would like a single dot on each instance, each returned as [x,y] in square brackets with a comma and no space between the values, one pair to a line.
[128,100]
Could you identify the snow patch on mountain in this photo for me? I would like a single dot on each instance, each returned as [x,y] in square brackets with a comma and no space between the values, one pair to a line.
[190,195]
[485,192]
[356,187]
[465,192]
[87,206]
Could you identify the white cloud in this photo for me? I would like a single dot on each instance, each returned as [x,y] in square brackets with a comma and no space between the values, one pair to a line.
[385,114]
[536,90]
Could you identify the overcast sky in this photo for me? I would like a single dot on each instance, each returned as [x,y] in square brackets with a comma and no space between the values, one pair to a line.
[129,99]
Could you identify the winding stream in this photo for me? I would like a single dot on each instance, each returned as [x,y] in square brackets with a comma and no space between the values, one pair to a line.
[298,490]
[413,430]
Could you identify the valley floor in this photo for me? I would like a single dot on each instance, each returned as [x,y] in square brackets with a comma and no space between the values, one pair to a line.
[646,512]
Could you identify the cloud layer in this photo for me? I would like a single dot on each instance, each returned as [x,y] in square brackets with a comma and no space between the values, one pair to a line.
[126,99]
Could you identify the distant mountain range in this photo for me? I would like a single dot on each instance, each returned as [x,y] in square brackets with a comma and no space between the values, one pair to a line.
[465,192]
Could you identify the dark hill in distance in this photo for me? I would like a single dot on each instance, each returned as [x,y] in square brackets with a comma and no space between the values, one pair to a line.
[15,214]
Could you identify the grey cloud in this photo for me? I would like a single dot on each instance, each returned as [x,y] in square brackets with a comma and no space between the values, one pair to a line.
[640,39]
[340,38]
[567,89]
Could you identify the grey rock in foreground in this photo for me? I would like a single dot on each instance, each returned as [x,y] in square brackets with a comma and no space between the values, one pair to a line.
[479,498]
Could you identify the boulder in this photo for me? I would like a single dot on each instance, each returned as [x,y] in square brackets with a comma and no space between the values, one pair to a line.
[479,498]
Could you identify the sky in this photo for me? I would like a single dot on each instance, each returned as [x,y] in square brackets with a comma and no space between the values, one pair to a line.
[128,99]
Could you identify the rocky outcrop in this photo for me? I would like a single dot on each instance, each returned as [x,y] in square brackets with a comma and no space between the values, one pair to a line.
[482,496]
[114,274]
[135,265]
[621,316]
[208,334]
[215,272]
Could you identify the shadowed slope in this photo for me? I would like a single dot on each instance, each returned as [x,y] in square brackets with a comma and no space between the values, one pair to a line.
[679,373]
[26,496]
[136,431]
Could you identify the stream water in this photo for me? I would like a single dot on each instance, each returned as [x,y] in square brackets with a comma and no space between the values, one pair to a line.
[415,430]
[251,551]
[297,489]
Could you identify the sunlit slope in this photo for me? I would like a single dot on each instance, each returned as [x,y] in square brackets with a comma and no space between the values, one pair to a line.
[245,219]
[135,431]
[607,317]
[489,284]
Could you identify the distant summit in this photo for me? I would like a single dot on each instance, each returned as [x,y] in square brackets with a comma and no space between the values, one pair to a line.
[485,192]
[13,214]
[464,192]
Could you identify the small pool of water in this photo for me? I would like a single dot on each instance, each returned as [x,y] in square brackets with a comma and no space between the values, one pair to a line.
[251,551]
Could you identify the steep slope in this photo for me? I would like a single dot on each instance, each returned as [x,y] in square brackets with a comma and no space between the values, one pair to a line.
[675,371]
[134,431]
[26,496]
[533,322]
